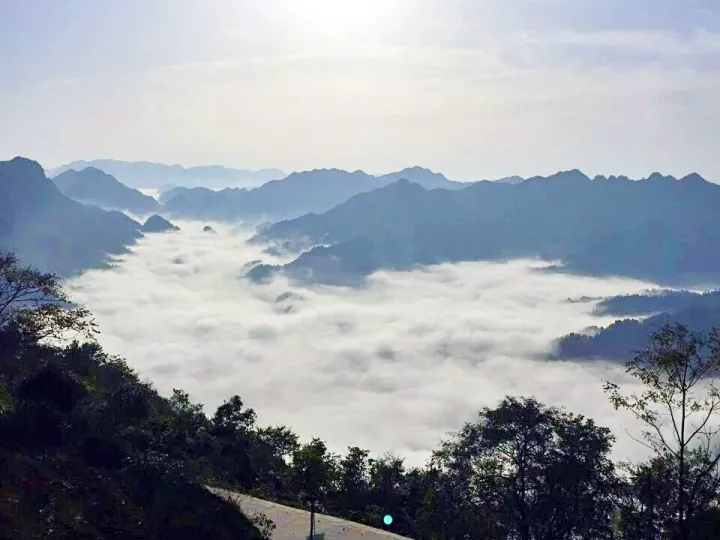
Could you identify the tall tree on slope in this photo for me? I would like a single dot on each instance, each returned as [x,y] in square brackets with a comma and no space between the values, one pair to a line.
[679,406]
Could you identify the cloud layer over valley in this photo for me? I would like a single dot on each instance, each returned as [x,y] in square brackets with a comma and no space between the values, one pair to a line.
[390,367]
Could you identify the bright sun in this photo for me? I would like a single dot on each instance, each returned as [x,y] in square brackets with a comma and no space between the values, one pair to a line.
[342,21]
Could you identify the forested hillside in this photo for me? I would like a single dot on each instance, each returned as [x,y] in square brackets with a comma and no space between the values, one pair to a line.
[620,340]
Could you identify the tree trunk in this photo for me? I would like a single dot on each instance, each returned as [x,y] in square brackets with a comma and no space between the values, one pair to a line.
[681,472]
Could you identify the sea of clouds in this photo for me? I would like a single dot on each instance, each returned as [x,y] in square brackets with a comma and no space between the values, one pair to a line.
[391,367]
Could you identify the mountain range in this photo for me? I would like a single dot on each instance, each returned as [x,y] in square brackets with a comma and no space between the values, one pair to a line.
[658,228]
[93,186]
[144,174]
[48,230]
[28,192]
[351,223]
[642,314]
[297,194]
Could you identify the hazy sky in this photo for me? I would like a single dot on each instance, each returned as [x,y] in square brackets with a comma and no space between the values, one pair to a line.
[472,88]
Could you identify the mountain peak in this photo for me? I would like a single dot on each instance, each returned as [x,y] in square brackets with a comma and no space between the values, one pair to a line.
[27,165]
[323,173]
[425,177]
[157,223]
[611,178]
[86,174]
[657,177]
[574,174]
[693,179]
[94,186]
[418,168]
[400,186]
[94,170]
[50,231]
[571,176]
[26,175]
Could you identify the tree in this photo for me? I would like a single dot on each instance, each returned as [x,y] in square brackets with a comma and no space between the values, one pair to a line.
[314,470]
[444,512]
[354,481]
[644,505]
[679,406]
[271,451]
[232,418]
[387,488]
[647,502]
[35,302]
[189,417]
[533,472]
[280,439]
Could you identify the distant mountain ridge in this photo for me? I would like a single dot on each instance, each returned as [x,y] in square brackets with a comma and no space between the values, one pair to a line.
[48,230]
[658,228]
[93,186]
[149,175]
[620,340]
[297,194]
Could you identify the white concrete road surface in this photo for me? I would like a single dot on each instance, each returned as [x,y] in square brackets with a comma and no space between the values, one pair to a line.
[294,524]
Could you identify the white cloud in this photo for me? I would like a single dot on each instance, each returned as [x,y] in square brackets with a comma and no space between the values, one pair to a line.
[392,367]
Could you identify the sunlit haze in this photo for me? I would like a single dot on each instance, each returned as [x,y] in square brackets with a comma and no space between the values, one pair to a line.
[471,88]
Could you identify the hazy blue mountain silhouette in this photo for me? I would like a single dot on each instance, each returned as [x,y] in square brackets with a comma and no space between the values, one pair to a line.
[157,223]
[620,340]
[143,174]
[295,195]
[168,192]
[511,180]
[662,229]
[666,301]
[425,177]
[52,232]
[93,186]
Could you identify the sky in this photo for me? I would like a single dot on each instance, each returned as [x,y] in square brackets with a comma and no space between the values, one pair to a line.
[392,367]
[471,88]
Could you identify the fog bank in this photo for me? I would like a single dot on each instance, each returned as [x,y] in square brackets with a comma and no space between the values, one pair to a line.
[390,367]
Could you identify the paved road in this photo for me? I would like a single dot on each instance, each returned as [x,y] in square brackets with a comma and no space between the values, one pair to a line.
[294,524]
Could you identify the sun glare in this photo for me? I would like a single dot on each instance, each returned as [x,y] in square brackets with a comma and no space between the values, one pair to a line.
[343,21]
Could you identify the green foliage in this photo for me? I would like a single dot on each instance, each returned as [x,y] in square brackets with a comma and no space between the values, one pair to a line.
[281,441]
[313,470]
[533,472]
[230,417]
[36,302]
[679,406]
[87,450]
[354,481]
[105,461]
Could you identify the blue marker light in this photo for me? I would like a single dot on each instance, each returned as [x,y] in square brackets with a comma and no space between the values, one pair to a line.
[387,520]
